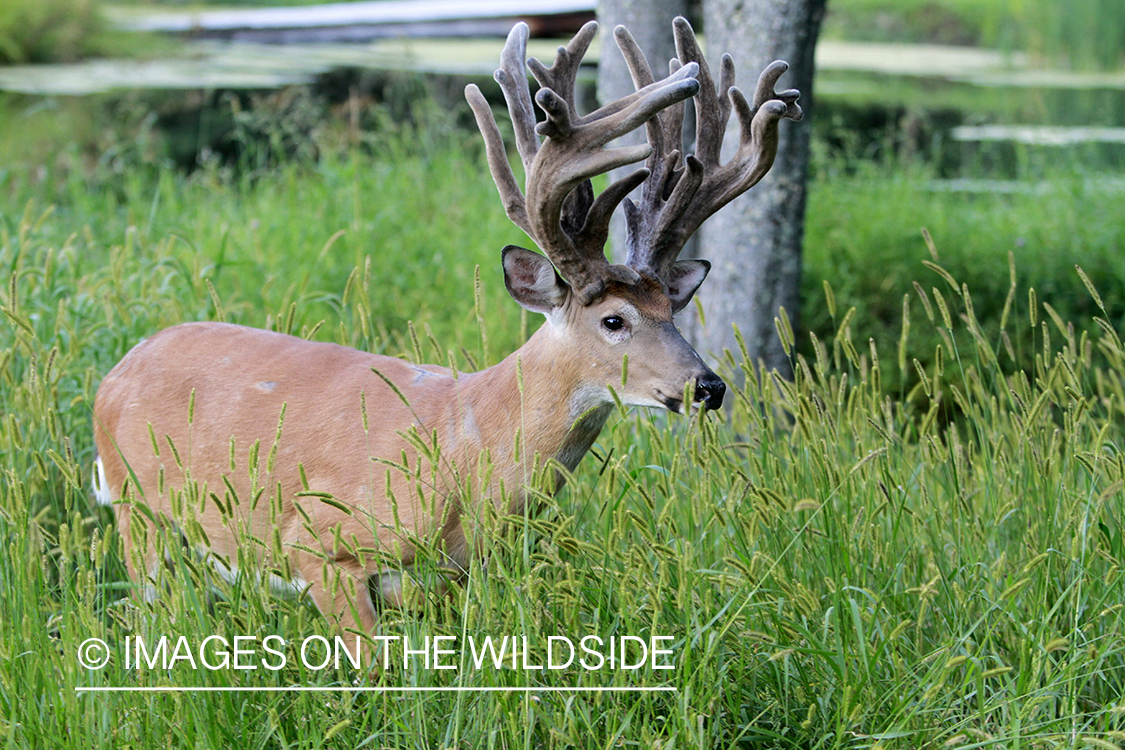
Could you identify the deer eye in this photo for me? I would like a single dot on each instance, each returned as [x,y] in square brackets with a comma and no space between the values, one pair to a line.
[613,323]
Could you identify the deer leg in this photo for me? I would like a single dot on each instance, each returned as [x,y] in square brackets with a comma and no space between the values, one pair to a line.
[390,588]
[408,588]
[139,550]
[339,590]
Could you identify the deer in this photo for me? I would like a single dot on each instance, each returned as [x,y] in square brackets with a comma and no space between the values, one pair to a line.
[341,463]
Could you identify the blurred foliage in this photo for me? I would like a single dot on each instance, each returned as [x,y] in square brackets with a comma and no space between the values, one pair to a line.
[39,31]
[964,22]
[61,139]
[1082,34]
[866,238]
[1078,34]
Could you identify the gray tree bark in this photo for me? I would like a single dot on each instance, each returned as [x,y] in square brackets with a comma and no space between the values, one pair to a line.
[650,23]
[754,244]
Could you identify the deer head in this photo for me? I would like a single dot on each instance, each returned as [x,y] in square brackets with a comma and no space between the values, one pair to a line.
[604,312]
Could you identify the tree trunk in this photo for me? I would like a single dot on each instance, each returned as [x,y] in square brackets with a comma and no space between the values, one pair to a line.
[650,23]
[754,244]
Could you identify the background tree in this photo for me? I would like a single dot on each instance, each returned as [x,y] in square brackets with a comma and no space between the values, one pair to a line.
[754,244]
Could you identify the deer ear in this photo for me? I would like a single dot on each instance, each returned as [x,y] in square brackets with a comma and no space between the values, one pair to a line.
[532,280]
[684,278]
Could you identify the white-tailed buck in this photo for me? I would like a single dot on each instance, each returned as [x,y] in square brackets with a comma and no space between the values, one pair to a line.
[336,462]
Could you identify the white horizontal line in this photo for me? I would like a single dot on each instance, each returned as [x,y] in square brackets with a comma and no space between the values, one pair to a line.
[364,689]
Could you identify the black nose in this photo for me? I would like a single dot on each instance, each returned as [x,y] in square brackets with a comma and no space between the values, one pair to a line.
[710,391]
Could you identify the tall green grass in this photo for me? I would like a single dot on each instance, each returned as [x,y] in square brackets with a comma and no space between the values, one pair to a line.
[866,236]
[916,543]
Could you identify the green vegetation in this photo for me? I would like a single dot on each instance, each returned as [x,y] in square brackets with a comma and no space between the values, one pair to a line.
[1081,34]
[965,22]
[48,30]
[917,543]
[865,237]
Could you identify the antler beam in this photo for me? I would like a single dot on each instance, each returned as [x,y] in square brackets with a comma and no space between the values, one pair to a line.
[558,210]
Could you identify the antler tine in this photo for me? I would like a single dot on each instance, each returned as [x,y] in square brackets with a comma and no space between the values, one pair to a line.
[563,73]
[659,228]
[663,131]
[664,135]
[758,138]
[513,83]
[561,78]
[712,107]
[764,92]
[514,204]
[758,135]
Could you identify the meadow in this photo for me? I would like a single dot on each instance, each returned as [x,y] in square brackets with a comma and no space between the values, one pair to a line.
[917,542]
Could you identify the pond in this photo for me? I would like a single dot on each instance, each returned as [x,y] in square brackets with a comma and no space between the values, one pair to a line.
[973,113]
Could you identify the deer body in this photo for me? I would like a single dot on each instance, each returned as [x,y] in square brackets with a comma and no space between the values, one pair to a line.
[324,439]
[234,394]
[330,465]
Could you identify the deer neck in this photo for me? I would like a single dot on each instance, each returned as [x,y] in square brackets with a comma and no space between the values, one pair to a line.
[538,390]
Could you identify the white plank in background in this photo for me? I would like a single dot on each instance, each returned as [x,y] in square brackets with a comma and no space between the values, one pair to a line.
[352,14]
[1039,135]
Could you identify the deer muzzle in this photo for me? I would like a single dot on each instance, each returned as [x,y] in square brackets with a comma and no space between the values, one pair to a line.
[709,391]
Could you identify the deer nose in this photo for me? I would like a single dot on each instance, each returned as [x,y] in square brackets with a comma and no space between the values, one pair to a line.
[710,390]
